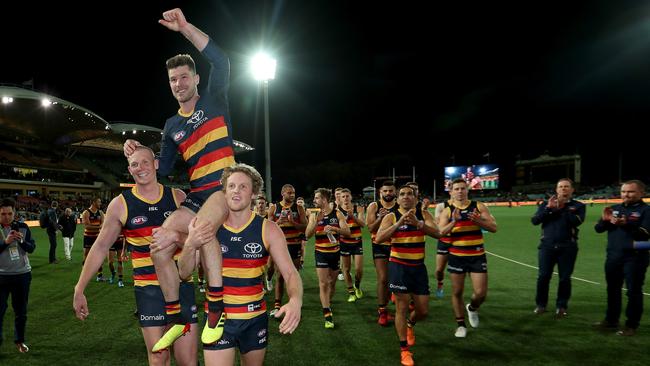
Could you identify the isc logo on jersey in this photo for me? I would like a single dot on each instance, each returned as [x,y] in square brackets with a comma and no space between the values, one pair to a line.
[139,220]
[179,135]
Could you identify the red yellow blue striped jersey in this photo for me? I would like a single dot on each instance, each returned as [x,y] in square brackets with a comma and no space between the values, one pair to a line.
[203,137]
[323,243]
[407,242]
[291,233]
[142,216]
[245,255]
[466,237]
[355,230]
[95,218]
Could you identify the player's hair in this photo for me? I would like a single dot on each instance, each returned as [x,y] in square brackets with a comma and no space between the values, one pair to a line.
[407,186]
[8,202]
[325,193]
[638,183]
[388,183]
[142,147]
[287,186]
[412,184]
[346,190]
[181,60]
[566,180]
[251,172]
[458,180]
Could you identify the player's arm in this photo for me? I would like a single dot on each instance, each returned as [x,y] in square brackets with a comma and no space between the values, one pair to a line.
[429,225]
[358,218]
[175,20]
[343,228]
[301,224]
[197,236]
[107,236]
[277,244]
[179,237]
[447,220]
[271,212]
[387,227]
[311,225]
[485,220]
[371,217]
[167,155]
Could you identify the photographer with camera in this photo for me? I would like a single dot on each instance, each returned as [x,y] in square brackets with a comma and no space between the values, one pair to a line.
[15,270]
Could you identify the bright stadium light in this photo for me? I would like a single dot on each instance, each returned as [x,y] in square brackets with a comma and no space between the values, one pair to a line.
[263,69]
[482,170]
[450,170]
[7,100]
[46,102]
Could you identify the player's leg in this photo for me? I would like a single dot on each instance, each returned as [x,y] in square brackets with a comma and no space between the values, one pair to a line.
[213,213]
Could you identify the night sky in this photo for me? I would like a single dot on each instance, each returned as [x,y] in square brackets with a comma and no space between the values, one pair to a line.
[381,85]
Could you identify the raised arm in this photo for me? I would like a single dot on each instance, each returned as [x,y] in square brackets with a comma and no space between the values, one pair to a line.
[175,20]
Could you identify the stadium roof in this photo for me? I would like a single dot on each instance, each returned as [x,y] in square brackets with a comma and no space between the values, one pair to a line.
[38,118]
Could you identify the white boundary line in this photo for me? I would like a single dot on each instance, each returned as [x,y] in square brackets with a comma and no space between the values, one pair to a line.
[537,268]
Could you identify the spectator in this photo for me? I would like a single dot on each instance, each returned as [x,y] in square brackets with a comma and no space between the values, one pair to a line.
[51,229]
[15,270]
[68,225]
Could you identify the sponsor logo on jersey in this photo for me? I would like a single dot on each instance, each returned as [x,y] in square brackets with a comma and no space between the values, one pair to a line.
[196,117]
[253,248]
[139,220]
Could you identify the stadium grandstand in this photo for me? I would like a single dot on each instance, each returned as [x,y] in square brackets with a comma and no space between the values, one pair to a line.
[55,149]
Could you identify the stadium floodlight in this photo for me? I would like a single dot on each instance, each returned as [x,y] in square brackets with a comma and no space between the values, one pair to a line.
[7,100]
[46,102]
[450,170]
[134,132]
[263,69]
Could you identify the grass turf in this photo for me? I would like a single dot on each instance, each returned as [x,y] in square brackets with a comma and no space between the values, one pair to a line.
[509,334]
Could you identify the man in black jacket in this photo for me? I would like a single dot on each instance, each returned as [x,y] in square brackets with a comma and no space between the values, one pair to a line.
[68,225]
[625,223]
[560,217]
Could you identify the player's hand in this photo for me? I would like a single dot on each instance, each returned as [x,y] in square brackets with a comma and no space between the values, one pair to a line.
[162,239]
[475,215]
[456,216]
[383,212]
[198,234]
[425,204]
[173,20]
[410,218]
[291,313]
[130,146]
[80,306]
[331,229]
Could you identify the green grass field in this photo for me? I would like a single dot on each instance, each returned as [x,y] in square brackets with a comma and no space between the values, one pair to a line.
[509,334]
